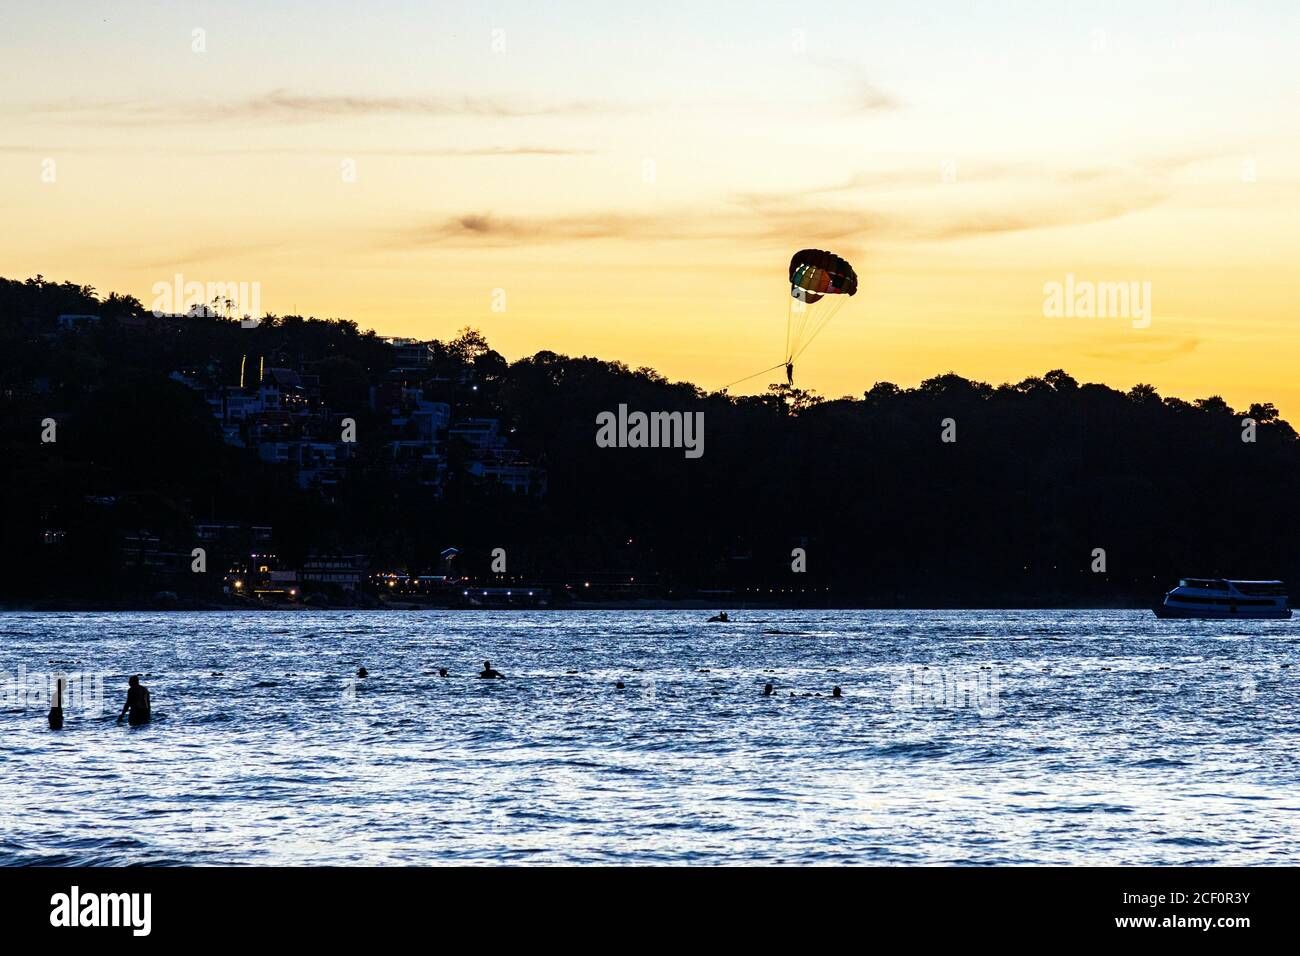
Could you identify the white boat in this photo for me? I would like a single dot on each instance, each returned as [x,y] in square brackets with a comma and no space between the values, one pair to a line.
[1219,597]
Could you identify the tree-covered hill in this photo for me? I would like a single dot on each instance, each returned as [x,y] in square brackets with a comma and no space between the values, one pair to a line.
[1041,473]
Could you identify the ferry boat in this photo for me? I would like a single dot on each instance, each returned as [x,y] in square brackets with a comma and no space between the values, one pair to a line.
[1219,597]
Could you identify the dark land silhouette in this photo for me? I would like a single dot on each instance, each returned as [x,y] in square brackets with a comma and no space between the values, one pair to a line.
[1042,472]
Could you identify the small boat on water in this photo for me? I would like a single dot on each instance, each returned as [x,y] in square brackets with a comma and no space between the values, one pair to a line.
[1219,597]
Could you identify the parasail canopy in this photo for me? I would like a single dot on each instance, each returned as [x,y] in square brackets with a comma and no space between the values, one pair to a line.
[816,272]
[814,275]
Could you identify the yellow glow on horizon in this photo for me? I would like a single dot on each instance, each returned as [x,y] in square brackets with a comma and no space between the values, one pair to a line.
[635,194]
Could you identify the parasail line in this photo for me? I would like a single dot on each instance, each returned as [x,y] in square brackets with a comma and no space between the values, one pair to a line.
[755,375]
[819,328]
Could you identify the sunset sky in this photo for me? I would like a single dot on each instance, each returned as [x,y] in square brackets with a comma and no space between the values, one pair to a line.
[635,176]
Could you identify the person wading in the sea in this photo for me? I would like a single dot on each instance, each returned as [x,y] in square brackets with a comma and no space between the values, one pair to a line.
[137,702]
[488,671]
[56,712]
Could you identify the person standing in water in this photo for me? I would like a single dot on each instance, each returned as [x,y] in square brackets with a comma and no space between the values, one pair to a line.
[137,702]
[56,711]
[488,671]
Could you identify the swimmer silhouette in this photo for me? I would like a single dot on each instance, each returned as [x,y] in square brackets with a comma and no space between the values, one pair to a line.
[137,702]
[442,672]
[767,690]
[618,686]
[56,712]
[836,692]
[488,671]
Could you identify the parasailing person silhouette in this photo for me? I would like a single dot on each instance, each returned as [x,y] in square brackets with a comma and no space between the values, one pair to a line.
[820,283]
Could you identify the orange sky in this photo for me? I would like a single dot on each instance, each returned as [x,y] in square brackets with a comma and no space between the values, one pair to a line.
[635,182]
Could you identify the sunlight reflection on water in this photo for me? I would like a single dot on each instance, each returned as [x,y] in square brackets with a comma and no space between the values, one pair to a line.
[963,737]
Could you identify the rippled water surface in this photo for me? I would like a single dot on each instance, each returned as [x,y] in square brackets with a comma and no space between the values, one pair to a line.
[962,737]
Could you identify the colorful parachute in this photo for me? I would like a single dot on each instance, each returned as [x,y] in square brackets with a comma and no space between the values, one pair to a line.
[814,274]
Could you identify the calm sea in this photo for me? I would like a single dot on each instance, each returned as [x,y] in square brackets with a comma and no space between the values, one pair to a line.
[962,737]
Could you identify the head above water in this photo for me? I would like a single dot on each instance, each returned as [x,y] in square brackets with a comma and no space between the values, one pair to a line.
[487,665]
[134,680]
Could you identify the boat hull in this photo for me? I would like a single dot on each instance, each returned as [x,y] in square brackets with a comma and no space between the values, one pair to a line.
[1242,614]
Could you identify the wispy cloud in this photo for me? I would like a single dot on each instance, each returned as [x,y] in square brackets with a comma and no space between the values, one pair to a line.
[477,152]
[920,175]
[770,218]
[470,151]
[1050,198]
[931,172]
[486,228]
[862,94]
[954,217]
[281,106]
[1070,212]
[432,152]
[1146,348]
[206,255]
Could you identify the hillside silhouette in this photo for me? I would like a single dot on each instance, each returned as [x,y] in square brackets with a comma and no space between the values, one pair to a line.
[1042,473]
